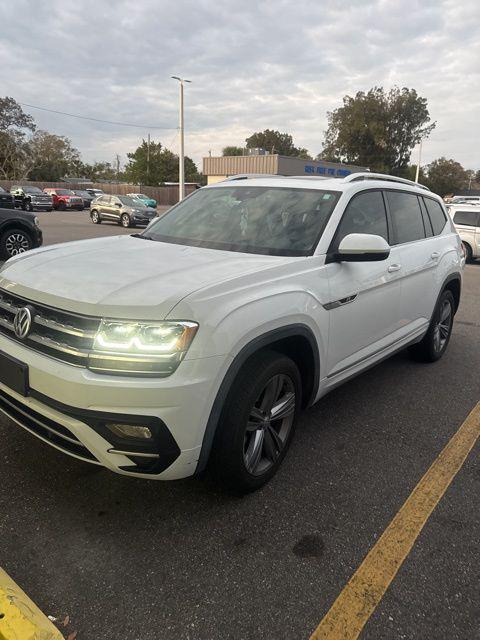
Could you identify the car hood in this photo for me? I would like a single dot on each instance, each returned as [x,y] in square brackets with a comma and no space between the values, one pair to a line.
[123,276]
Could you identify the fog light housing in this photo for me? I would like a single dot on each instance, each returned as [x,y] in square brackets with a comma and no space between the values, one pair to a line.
[130,430]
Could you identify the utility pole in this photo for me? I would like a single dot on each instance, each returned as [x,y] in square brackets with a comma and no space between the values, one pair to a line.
[117,162]
[148,160]
[417,173]
[181,155]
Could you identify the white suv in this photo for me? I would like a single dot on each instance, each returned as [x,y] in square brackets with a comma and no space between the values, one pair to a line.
[466,218]
[200,340]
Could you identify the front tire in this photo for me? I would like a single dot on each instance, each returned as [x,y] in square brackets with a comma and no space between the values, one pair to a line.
[257,423]
[125,220]
[13,242]
[435,342]
[28,206]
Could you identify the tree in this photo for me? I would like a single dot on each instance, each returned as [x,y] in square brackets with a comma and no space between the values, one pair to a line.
[377,129]
[157,165]
[276,142]
[410,173]
[99,172]
[15,127]
[233,151]
[446,176]
[12,116]
[51,157]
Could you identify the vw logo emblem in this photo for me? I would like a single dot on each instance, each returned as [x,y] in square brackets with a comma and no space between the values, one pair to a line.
[22,323]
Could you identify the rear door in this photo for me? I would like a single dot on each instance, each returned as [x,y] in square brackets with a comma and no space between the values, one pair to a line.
[416,254]
[365,296]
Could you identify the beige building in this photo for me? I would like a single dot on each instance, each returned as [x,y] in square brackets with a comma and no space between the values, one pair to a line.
[219,168]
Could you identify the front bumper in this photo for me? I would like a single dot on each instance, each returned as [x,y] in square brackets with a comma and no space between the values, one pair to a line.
[42,206]
[68,407]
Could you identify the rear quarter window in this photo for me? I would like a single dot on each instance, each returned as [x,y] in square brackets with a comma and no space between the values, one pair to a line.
[436,215]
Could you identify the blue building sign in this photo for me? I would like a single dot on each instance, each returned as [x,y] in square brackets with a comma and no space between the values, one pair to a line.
[326,171]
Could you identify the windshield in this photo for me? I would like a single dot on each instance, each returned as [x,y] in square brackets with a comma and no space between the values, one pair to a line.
[127,201]
[64,192]
[267,220]
[83,194]
[32,190]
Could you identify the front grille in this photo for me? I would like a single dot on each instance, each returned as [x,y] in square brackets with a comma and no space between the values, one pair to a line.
[60,334]
[48,430]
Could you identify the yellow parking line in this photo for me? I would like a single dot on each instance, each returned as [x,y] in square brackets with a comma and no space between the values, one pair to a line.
[356,603]
[20,618]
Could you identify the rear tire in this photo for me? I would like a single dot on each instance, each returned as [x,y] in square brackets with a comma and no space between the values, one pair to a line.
[435,342]
[95,216]
[250,444]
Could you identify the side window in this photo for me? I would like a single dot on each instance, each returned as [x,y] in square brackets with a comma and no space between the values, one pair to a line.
[365,213]
[466,218]
[436,215]
[406,216]
[104,200]
[426,219]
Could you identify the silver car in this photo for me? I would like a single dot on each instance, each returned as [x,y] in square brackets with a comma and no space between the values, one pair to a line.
[122,210]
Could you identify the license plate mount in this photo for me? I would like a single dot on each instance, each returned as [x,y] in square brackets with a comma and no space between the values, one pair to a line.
[14,374]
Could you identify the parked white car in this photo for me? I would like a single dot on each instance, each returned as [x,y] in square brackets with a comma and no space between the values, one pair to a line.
[200,340]
[460,199]
[466,218]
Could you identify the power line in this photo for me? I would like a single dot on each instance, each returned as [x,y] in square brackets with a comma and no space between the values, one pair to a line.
[121,124]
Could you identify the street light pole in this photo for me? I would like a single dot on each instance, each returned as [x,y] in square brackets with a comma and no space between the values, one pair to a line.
[181,155]
[417,173]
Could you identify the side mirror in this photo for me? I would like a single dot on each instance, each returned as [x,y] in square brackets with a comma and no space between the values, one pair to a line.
[362,247]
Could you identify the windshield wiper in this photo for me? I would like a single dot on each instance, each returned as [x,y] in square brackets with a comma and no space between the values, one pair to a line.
[141,236]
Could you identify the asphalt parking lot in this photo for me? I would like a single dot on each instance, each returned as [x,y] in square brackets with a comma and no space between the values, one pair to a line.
[135,560]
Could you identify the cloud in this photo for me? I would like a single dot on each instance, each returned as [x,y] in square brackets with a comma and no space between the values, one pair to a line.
[253,65]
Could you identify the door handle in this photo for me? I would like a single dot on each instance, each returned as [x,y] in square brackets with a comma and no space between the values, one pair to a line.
[394,267]
[435,255]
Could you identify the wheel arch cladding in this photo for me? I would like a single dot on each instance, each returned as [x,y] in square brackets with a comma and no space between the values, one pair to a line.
[10,225]
[453,284]
[295,341]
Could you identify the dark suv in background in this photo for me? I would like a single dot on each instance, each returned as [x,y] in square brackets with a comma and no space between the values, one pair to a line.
[85,196]
[19,232]
[31,198]
[121,209]
[6,199]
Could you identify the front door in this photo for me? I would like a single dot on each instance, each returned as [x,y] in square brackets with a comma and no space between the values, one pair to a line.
[365,295]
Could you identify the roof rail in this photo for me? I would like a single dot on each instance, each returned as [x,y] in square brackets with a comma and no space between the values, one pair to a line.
[246,176]
[354,177]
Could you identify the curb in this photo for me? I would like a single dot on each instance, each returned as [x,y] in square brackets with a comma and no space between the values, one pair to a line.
[20,618]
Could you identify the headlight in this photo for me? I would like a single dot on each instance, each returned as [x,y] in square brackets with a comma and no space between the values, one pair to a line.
[146,348]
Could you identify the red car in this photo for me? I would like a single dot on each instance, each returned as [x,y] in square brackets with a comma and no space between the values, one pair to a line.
[65,199]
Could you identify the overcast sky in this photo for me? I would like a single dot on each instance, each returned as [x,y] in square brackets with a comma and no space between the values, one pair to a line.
[253,64]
